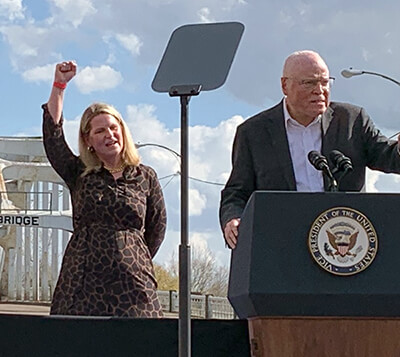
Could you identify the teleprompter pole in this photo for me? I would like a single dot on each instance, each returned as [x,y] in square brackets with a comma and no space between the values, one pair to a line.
[197,56]
[184,92]
[184,248]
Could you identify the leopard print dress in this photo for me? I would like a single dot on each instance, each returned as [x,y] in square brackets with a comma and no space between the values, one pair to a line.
[118,225]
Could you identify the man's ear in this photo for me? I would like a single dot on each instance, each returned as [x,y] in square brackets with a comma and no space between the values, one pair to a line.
[284,85]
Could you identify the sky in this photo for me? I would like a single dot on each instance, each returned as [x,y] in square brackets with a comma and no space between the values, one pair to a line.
[118,45]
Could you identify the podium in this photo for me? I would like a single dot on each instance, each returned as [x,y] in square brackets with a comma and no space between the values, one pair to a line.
[302,299]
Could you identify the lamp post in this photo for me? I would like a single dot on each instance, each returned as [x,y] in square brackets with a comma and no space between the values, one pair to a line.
[348,73]
[176,154]
[139,145]
[178,157]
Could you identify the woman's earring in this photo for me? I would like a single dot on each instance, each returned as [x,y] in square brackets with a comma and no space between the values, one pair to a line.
[90,148]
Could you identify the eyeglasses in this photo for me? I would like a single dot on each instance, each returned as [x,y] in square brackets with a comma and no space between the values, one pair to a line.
[311,83]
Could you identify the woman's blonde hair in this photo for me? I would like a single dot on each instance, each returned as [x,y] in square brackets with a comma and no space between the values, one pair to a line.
[130,155]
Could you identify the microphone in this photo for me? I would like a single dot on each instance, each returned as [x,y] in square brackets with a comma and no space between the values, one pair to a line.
[321,164]
[341,162]
[347,73]
[318,161]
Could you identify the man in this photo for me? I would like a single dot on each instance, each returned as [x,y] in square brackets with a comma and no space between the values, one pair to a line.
[270,149]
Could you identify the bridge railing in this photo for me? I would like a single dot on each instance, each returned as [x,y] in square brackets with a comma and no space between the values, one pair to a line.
[27,201]
[202,306]
[32,241]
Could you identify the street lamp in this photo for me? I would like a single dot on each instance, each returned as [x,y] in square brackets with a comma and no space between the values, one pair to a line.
[178,157]
[176,154]
[139,145]
[347,73]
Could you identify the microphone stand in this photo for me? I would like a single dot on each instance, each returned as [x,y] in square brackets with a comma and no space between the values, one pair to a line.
[320,163]
[340,174]
[333,185]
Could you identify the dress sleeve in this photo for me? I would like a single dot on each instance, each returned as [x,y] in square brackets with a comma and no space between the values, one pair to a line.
[60,156]
[156,217]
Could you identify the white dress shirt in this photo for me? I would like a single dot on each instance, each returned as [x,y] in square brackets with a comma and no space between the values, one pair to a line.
[302,140]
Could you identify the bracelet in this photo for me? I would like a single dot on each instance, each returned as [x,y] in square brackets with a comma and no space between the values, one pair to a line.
[60,85]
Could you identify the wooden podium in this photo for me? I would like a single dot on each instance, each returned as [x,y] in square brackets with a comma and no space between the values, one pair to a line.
[298,307]
[324,337]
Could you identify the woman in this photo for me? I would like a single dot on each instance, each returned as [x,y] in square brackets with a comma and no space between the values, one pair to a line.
[119,215]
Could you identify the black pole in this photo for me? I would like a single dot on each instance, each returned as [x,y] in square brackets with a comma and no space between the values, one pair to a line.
[184,248]
[197,56]
[184,92]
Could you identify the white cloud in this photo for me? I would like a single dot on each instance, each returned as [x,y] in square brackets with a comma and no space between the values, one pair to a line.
[198,241]
[365,54]
[197,202]
[147,128]
[230,5]
[12,9]
[169,247]
[372,178]
[71,130]
[25,41]
[130,42]
[209,158]
[209,147]
[40,74]
[74,11]
[111,58]
[91,79]
[204,15]
[30,45]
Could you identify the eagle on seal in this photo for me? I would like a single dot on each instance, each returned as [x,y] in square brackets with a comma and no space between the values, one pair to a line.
[342,242]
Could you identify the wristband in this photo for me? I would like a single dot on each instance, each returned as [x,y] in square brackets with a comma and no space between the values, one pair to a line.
[60,85]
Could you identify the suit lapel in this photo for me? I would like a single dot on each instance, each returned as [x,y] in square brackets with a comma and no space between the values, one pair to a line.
[327,143]
[276,128]
[326,121]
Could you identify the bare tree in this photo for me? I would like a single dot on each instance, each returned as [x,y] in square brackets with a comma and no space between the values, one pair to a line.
[219,286]
[207,276]
[203,269]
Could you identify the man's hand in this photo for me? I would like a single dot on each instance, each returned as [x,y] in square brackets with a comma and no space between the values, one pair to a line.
[231,232]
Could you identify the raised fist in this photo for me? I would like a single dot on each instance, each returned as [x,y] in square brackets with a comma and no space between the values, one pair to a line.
[65,71]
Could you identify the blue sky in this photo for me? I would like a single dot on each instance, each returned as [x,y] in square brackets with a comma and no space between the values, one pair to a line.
[118,46]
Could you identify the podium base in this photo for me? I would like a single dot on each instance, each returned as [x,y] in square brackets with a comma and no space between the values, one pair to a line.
[324,336]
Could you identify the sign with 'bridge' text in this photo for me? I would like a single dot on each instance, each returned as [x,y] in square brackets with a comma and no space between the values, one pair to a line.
[19,220]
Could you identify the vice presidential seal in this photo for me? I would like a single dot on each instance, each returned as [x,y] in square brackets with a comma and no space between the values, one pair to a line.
[343,241]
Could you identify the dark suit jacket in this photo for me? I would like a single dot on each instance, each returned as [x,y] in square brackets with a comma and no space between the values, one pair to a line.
[261,157]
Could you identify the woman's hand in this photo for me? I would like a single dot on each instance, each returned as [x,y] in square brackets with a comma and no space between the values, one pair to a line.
[65,71]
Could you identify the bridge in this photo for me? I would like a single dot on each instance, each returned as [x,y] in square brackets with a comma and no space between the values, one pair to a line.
[35,221]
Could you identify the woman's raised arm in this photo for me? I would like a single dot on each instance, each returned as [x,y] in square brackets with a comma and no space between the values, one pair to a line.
[64,72]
